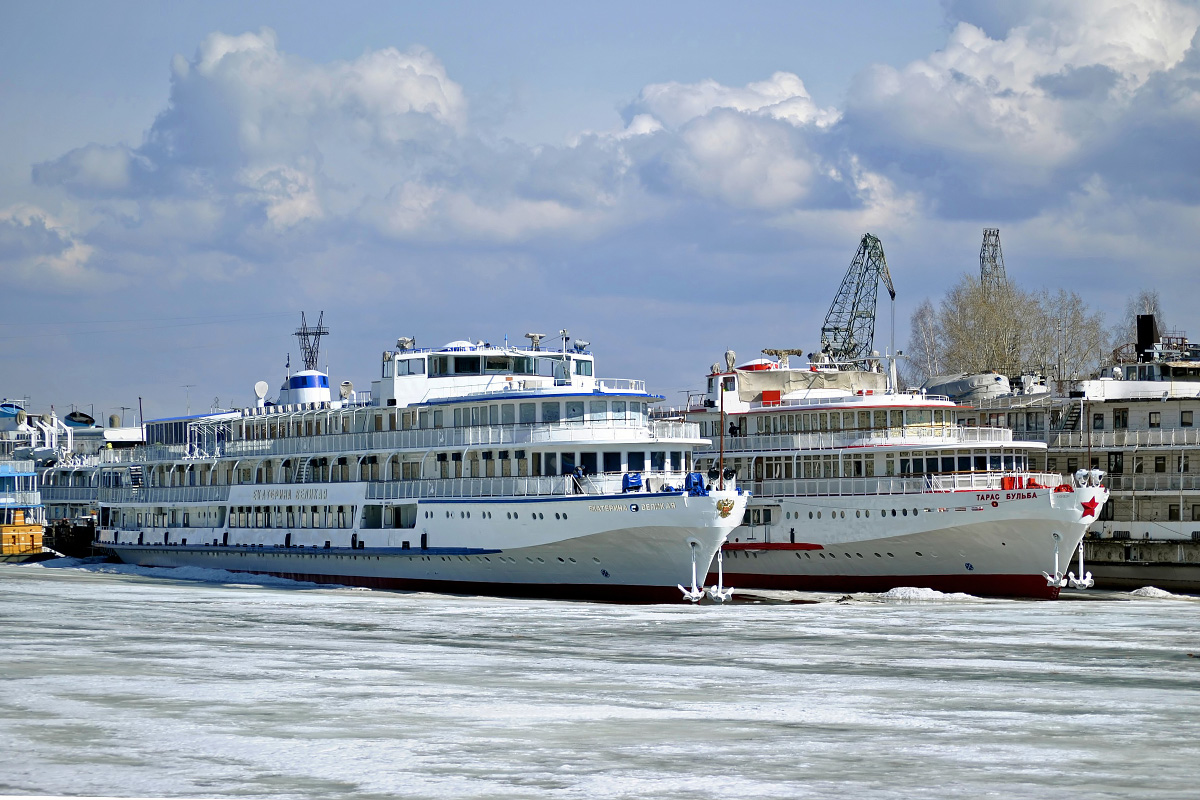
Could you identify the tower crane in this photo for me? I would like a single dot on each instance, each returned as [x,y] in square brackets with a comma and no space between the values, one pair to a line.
[849,330]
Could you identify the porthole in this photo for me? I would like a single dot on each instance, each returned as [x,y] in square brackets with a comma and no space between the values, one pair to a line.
[822,555]
[818,515]
[799,555]
[530,560]
[833,555]
[810,515]
[573,561]
[914,512]
[904,511]
[787,515]
[893,512]
[868,513]
[918,552]
[857,513]
[595,559]
[514,515]
[847,555]
[860,555]
[508,515]
[541,560]
[890,555]
[843,513]
[562,560]
[878,556]
[556,517]
[564,515]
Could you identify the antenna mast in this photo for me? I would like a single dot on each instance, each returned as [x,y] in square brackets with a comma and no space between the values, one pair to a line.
[849,330]
[310,340]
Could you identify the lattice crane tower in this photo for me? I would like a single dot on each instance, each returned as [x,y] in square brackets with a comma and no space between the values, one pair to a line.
[310,339]
[991,264]
[849,330]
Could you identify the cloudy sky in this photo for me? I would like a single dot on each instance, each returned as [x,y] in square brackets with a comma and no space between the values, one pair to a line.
[665,180]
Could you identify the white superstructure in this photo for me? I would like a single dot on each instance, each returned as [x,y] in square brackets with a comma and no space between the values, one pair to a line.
[858,488]
[472,467]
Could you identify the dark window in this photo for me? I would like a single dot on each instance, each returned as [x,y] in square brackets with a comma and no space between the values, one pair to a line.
[467,365]
[1120,418]
[588,462]
[1116,463]
[1185,419]
[1097,422]
[1160,463]
[612,462]
[964,463]
[658,460]
[1173,512]
[568,463]
[947,463]
[637,461]
[1155,419]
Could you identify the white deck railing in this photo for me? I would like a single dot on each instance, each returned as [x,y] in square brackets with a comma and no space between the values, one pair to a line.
[824,487]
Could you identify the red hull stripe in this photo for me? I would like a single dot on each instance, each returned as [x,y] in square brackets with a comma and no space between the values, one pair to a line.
[770,546]
[604,593]
[1031,586]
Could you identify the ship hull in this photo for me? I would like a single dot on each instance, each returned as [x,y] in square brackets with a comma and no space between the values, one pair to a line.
[950,542]
[599,552]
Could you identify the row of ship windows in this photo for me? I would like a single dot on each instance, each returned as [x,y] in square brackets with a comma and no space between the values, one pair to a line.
[488,515]
[763,516]
[825,421]
[476,464]
[862,465]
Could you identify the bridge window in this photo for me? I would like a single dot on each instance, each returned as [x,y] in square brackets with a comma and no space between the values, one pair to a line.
[467,365]
[583,367]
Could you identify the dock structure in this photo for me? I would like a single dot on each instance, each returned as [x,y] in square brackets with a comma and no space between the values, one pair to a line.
[1172,566]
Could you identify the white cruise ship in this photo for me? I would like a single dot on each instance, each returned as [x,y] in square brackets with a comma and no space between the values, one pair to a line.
[469,468]
[859,488]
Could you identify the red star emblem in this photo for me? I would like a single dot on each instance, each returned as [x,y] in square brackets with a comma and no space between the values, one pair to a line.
[1089,507]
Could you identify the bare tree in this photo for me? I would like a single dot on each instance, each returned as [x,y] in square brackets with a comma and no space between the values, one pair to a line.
[1144,302]
[924,356]
[1006,330]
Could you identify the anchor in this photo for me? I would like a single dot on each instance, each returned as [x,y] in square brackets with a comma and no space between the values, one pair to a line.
[1057,579]
[697,592]
[1084,581]
[719,593]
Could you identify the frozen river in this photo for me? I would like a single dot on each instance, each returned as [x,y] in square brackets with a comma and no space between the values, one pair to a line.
[123,682]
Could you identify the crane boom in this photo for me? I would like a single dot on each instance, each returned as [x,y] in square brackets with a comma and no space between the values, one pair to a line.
[849,330]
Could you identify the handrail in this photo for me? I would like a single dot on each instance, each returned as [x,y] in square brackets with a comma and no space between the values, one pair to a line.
[927,484]
[910,436]
[582,431]
[1158,437]
[20,498]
